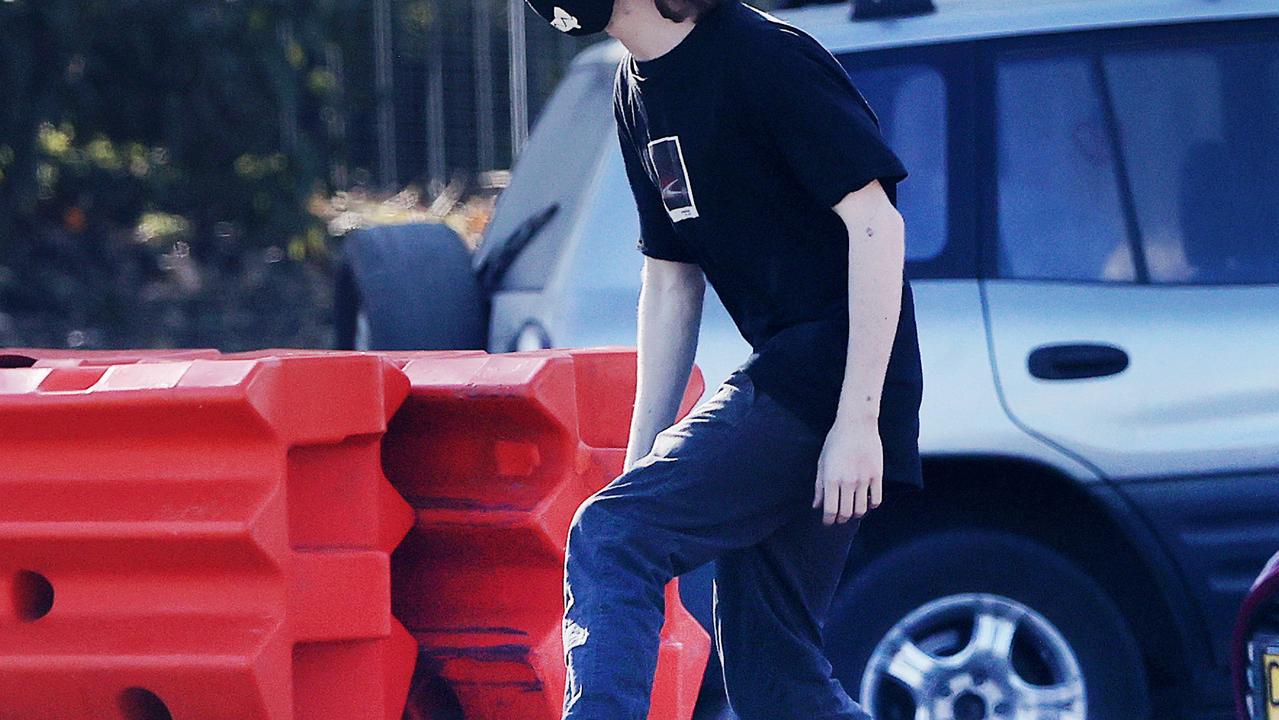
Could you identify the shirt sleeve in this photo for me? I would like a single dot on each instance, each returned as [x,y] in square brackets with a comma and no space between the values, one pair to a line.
[802,99]
[657,236]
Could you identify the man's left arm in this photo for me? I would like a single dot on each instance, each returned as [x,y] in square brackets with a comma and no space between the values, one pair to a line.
[850,471]
[802,102]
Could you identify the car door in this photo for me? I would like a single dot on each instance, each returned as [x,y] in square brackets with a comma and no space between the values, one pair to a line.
[1132,290]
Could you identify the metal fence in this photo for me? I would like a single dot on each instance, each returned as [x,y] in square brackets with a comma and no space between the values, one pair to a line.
[456,85]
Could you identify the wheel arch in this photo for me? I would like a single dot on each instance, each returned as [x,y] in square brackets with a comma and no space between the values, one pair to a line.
[1042,503]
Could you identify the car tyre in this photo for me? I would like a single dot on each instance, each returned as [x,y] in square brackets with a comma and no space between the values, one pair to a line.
[408,287]
[883,591]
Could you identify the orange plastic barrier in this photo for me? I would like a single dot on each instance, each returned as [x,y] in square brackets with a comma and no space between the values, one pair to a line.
[203,538]
[495,453]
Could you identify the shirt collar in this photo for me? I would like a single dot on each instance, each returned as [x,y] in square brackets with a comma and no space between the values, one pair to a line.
[688,49]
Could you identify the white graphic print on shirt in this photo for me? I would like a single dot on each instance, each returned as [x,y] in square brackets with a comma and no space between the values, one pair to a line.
[672,178]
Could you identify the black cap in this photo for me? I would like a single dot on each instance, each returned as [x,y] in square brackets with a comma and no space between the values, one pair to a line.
[575,17]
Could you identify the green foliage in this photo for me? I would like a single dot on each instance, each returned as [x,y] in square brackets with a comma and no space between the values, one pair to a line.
[156,162]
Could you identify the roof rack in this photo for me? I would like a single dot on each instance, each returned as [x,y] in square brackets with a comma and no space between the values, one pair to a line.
[875,9]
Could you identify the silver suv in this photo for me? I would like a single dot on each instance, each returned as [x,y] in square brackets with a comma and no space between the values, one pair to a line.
[1093,241]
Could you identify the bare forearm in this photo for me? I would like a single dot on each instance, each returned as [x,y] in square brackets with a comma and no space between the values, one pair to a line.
[876,250]
[670,311]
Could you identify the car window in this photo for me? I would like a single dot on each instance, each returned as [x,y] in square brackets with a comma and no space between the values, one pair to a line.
[1199,128]
[555,167]
[910,102]
[1060,215]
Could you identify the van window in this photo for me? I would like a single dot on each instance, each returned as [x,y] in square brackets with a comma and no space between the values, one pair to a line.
[910,102]
[1060,215]
[1199,127]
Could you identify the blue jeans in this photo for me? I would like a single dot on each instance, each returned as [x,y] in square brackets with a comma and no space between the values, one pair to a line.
[731,482]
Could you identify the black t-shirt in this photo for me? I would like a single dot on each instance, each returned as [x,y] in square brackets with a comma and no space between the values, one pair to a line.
[737,143]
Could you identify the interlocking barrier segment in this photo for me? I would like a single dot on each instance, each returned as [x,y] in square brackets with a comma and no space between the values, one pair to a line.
[495,453]
[194,534]
[199,536]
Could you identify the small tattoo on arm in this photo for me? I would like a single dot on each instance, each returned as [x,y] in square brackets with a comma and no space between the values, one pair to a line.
[870,232]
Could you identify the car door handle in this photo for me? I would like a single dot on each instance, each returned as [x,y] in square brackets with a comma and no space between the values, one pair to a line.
[1071,361]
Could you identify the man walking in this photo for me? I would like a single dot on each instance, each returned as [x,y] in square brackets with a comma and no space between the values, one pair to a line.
[756,165]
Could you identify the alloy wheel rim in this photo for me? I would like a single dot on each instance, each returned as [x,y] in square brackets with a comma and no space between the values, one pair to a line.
[974,656]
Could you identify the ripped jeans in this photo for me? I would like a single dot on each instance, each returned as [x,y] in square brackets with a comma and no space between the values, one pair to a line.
[731,482]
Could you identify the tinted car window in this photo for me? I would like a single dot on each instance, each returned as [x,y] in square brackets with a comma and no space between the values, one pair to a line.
[1060,215]
[910,102]
[1199,125]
